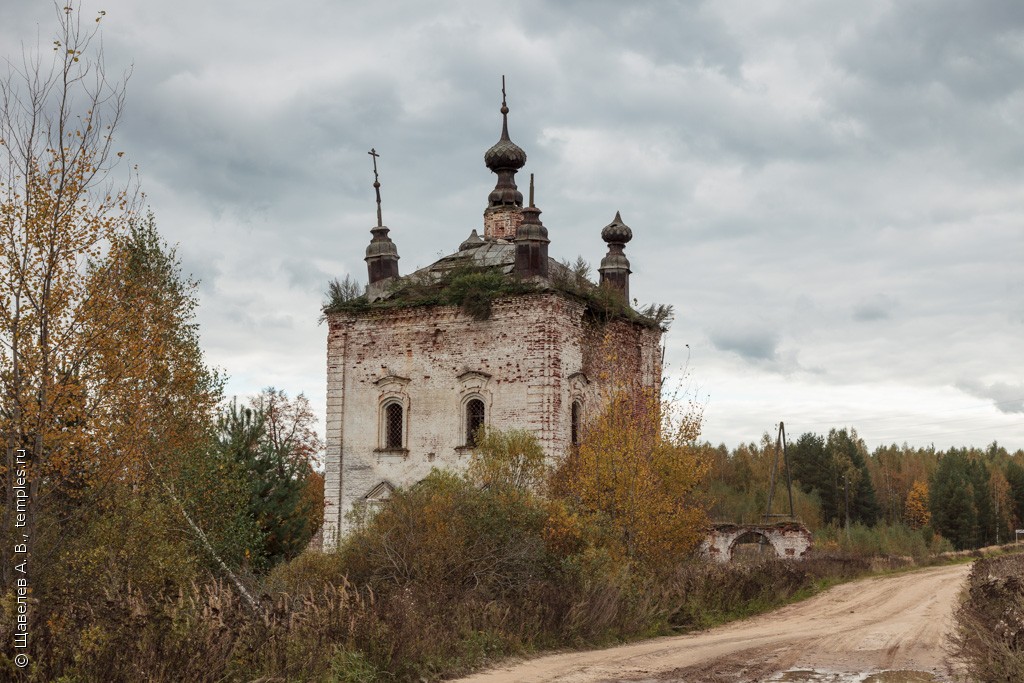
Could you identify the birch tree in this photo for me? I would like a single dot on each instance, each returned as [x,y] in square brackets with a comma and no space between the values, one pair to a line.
[60,208]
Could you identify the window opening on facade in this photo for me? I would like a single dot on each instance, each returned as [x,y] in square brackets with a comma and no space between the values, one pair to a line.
[577,415]
[474,420]
[393,425]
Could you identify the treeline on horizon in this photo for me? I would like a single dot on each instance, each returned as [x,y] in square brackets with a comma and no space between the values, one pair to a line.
[972,497]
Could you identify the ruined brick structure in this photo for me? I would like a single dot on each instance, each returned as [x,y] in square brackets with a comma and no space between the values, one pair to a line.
[408,385]
[787,540]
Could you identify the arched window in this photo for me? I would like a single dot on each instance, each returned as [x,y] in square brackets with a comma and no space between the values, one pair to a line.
[474,420]
[576,423]
[394,425]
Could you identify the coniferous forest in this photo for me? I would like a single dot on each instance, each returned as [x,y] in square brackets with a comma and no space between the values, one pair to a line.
[964,497]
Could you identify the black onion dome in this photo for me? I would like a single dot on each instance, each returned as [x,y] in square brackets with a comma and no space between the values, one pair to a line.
[616,232]
[505,154]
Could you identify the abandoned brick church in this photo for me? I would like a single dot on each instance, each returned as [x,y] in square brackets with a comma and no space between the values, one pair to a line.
[496,335]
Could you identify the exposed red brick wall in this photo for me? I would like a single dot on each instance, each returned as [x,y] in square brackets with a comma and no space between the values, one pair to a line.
[500,222]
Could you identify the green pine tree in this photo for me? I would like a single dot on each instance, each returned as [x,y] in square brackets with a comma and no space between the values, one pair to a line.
[953,501]
[276,479]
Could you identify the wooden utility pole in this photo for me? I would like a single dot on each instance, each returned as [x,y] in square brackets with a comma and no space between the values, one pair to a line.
[780,445]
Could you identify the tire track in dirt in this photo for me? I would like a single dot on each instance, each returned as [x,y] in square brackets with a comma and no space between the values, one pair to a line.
[891,622]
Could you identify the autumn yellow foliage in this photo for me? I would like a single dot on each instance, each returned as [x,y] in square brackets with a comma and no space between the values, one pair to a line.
[637,471]
[511,459]
[917,513]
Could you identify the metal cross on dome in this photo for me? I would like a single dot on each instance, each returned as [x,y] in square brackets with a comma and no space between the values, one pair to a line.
[376,185]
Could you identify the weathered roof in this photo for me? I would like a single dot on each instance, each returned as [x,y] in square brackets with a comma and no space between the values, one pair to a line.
[480,253]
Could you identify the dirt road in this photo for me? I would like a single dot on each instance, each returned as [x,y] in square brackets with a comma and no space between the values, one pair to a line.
[887,623]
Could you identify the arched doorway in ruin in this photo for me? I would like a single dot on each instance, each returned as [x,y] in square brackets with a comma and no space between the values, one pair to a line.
[751,546]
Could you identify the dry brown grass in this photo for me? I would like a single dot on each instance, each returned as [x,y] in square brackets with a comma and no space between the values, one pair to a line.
[203,633]
[990,622]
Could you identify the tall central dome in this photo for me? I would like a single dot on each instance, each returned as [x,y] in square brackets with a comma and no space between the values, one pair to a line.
[505,158]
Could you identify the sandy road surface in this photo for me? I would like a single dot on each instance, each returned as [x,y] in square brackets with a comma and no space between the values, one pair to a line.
[894,622]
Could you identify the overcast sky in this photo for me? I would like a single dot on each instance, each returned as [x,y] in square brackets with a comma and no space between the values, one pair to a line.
[830,194]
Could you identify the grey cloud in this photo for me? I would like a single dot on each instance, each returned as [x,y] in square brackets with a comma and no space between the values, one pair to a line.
[302,274]
[672,33]
[245,319]
[973,54]
[750,344]
[760,348]
[878,307]
[201,266]
[1007,398]
[934,74]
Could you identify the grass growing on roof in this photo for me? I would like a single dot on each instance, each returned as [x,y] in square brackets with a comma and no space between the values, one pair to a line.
[474,290]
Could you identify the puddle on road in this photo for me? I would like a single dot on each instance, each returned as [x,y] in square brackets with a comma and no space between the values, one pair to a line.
[810,676]
[901,677]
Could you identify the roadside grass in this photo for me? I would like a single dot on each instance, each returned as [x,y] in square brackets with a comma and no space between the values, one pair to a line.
[321,626]
[712,603]
[989,637]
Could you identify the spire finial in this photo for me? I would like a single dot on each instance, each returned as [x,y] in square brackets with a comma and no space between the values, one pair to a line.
[504,112]
[376,185]
[531,189]
[504,158]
